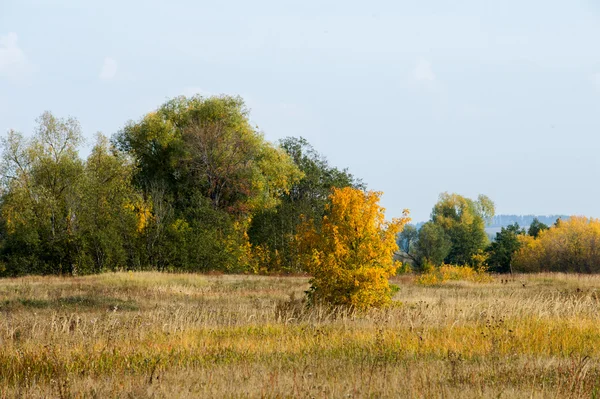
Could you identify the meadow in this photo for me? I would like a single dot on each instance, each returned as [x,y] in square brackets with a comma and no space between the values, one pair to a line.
[156,335]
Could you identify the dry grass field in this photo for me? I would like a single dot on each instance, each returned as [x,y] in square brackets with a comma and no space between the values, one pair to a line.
[157,335]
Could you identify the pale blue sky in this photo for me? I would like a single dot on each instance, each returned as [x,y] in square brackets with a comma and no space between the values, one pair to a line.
[415,97]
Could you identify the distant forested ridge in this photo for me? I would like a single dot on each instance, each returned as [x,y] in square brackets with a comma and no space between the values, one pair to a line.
[524,220]
[499,221]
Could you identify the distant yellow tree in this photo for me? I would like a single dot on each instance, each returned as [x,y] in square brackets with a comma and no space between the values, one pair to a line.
[350,257]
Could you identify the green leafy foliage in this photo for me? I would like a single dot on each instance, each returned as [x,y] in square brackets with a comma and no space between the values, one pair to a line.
[501,251]
[463,221]
[205,172]
[59,214]
[433,245]
[536,227]
[207,146]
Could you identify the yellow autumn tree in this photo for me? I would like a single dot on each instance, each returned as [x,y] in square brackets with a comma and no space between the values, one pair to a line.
[350,257]
[571,245]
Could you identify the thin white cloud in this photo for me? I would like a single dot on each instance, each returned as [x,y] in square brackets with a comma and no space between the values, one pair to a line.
[109,69]
[423,72]
[14,64]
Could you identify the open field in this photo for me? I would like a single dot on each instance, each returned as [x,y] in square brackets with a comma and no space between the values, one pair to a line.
[164,335]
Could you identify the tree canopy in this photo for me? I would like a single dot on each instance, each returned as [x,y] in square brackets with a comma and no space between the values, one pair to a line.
[60,214]
[207,146]
[463,220]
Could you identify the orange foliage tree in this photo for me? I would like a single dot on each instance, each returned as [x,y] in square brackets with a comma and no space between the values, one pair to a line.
[350,257]
[570,246]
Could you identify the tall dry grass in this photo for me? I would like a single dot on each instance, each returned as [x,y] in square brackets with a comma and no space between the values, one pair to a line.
[164,335]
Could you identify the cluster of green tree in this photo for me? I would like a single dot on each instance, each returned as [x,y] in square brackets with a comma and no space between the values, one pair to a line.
[192,186]
[456,235]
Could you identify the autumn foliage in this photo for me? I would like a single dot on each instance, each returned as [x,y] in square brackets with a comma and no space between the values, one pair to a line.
[350,257]
[445,273]
[570,246]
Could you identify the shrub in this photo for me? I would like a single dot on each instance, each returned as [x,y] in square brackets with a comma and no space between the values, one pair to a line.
[351,256]
[444,273]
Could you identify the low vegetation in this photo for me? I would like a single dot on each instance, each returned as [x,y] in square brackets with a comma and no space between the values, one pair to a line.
[447,273]
[148,334]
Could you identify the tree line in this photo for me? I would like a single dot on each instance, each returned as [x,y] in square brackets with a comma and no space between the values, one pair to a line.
[195,187]
[192,186]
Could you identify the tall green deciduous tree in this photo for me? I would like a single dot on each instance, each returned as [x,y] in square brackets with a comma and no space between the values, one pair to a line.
[463,220]
[208,145]
[107,219]
[41,181]
[275,228]
[205,172]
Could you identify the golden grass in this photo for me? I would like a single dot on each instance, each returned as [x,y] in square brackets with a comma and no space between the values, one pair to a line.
[167,335]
